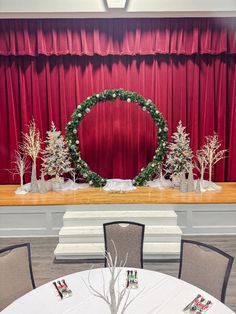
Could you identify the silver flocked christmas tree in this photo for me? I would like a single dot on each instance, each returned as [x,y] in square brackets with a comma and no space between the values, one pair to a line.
[55,156]
[180,155]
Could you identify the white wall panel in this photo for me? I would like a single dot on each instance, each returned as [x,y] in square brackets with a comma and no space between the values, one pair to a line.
[47,220]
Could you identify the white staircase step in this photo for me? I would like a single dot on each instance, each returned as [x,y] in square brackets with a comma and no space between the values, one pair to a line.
[78,218]
[96,250]
[85,234]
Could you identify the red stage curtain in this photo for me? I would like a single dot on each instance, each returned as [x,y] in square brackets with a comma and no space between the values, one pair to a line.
[118,139]
[118,36]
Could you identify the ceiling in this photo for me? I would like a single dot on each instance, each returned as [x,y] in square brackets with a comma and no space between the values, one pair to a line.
[115,8]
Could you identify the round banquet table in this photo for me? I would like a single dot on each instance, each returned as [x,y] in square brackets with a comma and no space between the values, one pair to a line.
[157,293]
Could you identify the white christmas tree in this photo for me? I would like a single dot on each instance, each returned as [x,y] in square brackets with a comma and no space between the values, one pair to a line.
[180,155]
[55,156]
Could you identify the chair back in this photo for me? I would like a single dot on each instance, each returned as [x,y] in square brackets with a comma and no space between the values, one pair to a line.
[128,239]
[206,267]
[16,276]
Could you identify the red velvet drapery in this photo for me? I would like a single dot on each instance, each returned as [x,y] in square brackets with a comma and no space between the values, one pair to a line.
[118,36]
[195,83]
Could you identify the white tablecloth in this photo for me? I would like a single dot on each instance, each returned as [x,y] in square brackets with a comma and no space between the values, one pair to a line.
[160,294]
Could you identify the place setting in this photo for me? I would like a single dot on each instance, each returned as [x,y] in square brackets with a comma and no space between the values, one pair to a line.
[61,289]
[132,279]
[199,305]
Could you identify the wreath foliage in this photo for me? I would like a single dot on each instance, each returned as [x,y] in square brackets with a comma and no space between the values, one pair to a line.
[111,95]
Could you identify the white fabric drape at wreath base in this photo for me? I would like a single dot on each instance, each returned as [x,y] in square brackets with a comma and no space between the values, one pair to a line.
[119,185]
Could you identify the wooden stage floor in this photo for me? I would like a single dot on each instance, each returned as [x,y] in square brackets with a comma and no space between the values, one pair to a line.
[142,195]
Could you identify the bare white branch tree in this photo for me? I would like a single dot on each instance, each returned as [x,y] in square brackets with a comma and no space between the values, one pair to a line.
[20,166]
[31,146]
[74,175]
[114,296]
[202,163]
[211,153]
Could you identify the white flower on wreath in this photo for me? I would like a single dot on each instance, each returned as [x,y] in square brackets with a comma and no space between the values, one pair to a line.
[128,100]
[79,115]
[114,95]
[79,106]
[87,110]
[97,95]
[90,182]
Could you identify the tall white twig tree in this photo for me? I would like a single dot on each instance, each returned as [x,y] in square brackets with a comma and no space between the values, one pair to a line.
[55,158]
[116,298]
[179,154]
[20,166]
[210,153]
[31,147]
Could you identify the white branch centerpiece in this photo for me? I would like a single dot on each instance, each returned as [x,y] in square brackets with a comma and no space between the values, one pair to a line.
[116,297]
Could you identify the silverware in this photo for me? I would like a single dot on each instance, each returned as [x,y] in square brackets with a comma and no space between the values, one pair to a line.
[59,292]
[65,285]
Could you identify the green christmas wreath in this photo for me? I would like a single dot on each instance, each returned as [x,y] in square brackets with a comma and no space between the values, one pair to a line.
[110,95]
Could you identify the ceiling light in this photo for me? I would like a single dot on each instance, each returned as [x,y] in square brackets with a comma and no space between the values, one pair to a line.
[116,4]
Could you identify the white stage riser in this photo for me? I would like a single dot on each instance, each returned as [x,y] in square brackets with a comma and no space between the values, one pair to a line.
[94,234]
[47,220]
[78,242]
[90,239]
[96,251]
[146,217]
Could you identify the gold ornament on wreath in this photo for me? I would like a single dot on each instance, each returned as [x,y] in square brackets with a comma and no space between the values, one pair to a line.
[111,95]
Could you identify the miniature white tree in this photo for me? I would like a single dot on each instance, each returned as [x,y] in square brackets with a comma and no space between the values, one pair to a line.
[202,163]
[114,296]
[180,154]
[56,155]
[31,146]
[20,166]
[210,153]
[42,184]
[190,182]
[74,174]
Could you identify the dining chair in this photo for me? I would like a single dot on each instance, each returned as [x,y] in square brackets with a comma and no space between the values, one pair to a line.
[16,275]
[127,237]
[206,267]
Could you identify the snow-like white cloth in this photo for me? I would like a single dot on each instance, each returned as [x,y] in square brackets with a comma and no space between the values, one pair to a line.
[70,185]
[63,186]
[118,185]
[160,183]
[206,186]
